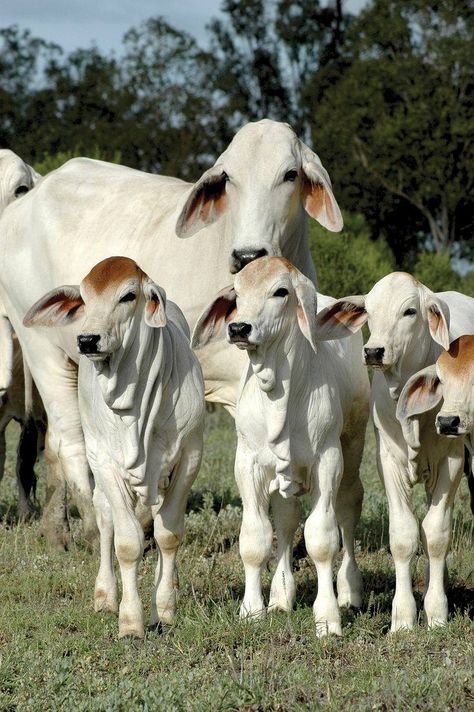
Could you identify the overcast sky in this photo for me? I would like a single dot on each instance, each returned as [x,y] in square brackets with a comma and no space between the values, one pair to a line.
[80,23]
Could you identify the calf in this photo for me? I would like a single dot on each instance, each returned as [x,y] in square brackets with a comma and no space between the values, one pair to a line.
[302,406]
[409,327]
[141,397]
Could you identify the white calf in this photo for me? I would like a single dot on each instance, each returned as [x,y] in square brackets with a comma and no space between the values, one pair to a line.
[302,405]
[141,396]
[409,326]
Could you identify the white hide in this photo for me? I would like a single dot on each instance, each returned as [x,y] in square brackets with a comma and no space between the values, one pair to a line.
[302,405]
[142,407]
[411,452]
[87,210]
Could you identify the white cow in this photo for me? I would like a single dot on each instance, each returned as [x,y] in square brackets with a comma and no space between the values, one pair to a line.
[255,199]
[141,395]
[409,326]
[301,418]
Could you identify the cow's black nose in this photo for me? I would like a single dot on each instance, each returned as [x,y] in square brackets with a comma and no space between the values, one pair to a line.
[240,258]
[87,343]
[374,355]
[239,330]
[448,424]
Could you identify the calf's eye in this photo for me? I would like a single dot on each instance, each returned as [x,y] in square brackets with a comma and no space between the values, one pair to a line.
[290,176]
[129,297]
[21,190]
[282,292]
[409,312]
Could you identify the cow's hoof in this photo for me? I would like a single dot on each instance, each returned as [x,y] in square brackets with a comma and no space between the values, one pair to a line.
[252,613]
[105,603]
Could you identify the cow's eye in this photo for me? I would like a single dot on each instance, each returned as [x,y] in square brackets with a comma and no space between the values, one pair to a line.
[129,297]
[290,176]
[281,292]
[409,312]
[21,190]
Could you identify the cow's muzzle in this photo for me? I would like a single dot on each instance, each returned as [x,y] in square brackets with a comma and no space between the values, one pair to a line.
[239,332]
[88,343]
[240,258]
[374,357]
[448,424]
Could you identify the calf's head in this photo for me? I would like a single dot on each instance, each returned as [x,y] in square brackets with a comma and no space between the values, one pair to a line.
[450,379]
[403,317]
[264,180]
[105,304]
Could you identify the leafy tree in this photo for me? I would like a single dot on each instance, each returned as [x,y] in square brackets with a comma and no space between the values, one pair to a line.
[403,117]
[435,271]
[49,163]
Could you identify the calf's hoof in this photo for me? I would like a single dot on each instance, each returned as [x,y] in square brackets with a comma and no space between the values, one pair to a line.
[105,602]
[252,613]
[130,629]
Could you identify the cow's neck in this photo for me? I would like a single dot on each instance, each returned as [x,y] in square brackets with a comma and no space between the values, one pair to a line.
[281,369]
[296,249]
[425,354]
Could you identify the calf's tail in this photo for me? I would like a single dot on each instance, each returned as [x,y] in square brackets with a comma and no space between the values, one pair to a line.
[27,450]
[469,474]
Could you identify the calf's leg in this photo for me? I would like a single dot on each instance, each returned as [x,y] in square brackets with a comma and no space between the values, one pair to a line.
[105,593]
[322,538]
[285,517]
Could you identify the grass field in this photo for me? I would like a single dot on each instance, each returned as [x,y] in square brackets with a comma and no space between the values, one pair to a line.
[56,654]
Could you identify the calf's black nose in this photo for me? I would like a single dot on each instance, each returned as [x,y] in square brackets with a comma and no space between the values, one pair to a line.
[87,343]
[374,355]
[239,330]
[240,258]
[448,424]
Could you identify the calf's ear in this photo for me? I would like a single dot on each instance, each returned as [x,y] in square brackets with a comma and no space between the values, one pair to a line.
[317,195]
[217,315]
[58,307]
[206,203]
[155,305]
[307,300]
[341,319]
[421,393]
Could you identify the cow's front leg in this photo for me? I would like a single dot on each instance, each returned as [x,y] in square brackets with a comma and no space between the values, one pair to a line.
[169,529]
[255,541]
[105,593]
[286,517]
[129,541]
[322,538]
[403,534]
[436,534]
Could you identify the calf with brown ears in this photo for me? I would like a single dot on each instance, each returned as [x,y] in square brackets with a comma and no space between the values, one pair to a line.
[409,326]
[141,397]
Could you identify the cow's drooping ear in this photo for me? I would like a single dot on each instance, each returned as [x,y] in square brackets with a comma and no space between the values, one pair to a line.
[59,307]
[421,393]
[218,314]
[206,203]
[341,319]
[318,198]
[307,302]
[155,305]
[437,313]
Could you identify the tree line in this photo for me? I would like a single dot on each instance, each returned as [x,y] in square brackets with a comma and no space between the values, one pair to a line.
[385,97]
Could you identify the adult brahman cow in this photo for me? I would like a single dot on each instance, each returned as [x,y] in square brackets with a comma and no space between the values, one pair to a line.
[301,417]
[409,327]
[253,201]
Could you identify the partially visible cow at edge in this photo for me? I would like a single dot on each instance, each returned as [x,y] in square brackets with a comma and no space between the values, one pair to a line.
[141,394]
[16,179]
[446,387]
[255,200]
[301,417]
[409,327]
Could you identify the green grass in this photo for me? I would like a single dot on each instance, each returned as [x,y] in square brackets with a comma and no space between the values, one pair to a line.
[56,654]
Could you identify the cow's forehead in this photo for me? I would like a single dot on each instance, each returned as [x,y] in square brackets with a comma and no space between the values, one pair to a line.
[458,362]
[391,291]
[110,273]
[276,140]
[262,273]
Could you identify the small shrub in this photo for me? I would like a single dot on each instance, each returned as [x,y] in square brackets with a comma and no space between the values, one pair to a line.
[349,262]
[434,270]
[51,162]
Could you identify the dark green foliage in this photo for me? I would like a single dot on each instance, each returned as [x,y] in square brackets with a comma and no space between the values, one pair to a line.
[349,262]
